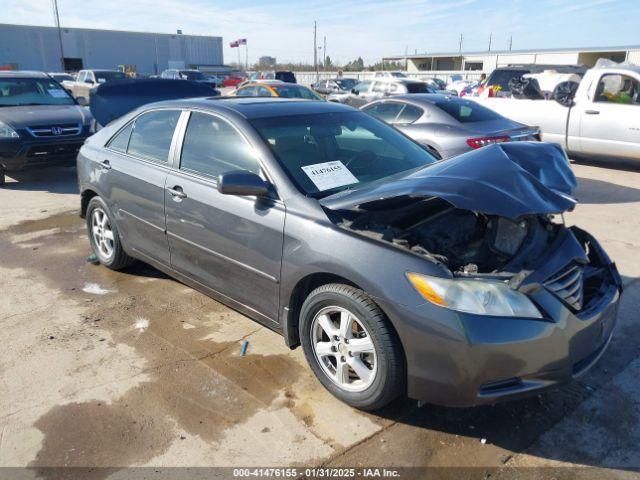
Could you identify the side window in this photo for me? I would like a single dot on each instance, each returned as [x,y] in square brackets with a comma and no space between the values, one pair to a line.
[152,135]
[211,146]
[409,114]
[616,88]
[82,76]
[120,141]
[263,92]
[386,111]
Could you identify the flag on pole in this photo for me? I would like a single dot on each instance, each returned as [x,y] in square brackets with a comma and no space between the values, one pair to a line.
[234,44]
[241,41]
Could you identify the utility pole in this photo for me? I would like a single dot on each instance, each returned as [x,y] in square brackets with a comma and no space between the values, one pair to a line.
[510,42]
[315,49]
[460,46]
[324,53]
[490,38]
[56,17]
[406,58]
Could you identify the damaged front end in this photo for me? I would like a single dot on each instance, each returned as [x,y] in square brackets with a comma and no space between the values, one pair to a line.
[493,214]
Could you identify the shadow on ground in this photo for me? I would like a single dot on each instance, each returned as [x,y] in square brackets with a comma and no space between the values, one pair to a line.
[61,179]
[591,191]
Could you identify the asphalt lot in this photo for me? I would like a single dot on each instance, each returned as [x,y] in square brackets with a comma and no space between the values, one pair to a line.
[133,368]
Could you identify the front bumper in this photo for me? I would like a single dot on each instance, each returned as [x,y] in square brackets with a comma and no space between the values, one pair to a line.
[19,153]
[459,359]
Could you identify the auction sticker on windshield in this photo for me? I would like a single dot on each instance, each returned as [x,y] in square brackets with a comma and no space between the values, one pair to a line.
[328,175]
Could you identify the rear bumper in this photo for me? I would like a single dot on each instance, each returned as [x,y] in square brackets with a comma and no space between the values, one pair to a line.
[15,155]
[458,359]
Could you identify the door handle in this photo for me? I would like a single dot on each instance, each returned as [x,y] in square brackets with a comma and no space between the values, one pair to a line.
[592,112]
[177,192]
[106,165]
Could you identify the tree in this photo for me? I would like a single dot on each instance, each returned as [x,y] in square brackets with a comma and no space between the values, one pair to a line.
[355,66]
[328,64]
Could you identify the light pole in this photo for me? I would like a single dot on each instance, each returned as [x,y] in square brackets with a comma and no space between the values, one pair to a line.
[56,17]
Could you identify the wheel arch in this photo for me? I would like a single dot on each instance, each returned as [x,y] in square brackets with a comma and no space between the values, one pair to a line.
[85,197]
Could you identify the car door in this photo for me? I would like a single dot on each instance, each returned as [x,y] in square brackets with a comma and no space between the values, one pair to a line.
[362,97]
[230,244]
[137,166]
[610,122]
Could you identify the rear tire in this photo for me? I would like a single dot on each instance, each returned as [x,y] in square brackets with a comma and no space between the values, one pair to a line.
[104,236]
[362,364]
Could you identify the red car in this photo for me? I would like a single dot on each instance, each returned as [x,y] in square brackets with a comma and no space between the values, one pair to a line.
[233,81]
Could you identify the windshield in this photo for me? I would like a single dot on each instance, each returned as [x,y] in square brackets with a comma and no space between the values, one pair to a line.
[329,152]
[107,76]
[192,75]
[32,91]
[347,83]
[294,91]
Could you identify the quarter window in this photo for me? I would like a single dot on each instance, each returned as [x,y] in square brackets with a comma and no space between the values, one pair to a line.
[409,114]
[152,135]
[386,112]
[120,141]
[212,147]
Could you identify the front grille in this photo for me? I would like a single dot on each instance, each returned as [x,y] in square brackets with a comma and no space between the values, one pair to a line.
[568,285]
[53,131]
[65,149]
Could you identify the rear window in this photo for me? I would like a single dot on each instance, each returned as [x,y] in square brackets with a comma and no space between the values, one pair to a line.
[502,78]
[418,87]
[295,91]
[288,77]
[467,111]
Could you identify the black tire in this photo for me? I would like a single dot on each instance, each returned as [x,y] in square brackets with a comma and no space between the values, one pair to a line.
[2,176]
[390,377]
[119,258]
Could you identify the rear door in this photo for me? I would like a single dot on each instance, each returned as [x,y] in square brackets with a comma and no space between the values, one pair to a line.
[136,169]
[610,120]
[230,244]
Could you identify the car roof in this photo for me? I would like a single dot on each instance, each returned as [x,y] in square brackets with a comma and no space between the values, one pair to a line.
[265,81]
[22,74]
[422,98]
[259,107]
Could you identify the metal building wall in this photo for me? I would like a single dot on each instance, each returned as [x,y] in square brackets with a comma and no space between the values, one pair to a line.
[36,48]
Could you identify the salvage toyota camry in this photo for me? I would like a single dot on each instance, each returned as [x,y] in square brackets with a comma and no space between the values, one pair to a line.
[455,282]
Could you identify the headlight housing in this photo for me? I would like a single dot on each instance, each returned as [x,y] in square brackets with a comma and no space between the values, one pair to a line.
[7,132]
[482,297]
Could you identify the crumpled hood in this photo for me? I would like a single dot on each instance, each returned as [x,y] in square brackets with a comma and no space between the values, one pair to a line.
[508,180]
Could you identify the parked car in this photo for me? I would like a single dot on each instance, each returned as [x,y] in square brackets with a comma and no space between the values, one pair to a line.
[88,79]
[335,85]
[233,80]
[276,88]
[599,120]
[370,90]
[282,75]
[192,75]
[61,77]
[40,123]
[390,75]
[447,125]
[451,282]
[498,81]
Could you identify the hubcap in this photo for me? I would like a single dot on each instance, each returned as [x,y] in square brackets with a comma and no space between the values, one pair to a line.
[102,234]
[344,349]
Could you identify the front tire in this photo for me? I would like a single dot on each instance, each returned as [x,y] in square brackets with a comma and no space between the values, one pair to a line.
[351,346]
[104,236]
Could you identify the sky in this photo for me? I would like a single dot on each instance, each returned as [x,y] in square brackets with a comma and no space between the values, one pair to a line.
[370,29]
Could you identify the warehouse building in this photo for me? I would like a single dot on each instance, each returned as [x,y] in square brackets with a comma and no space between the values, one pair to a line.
[488,61]
[24,47]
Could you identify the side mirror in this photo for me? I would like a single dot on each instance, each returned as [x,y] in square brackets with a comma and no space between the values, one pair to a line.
[355,92]
[82,101]
[243,183]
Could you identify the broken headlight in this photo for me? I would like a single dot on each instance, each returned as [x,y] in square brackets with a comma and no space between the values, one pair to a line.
[481,297]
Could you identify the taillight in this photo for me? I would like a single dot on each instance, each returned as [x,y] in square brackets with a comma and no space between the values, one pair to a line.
[480,142]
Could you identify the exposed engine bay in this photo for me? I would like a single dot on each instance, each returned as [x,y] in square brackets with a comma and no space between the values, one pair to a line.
[468,243]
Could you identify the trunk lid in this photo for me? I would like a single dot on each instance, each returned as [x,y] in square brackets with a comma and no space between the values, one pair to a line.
[508,180]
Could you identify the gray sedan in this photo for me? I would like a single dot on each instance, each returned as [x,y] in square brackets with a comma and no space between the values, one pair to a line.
[447,281]
[448,125]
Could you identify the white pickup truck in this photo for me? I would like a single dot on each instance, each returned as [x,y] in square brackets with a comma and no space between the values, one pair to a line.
[603,120]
